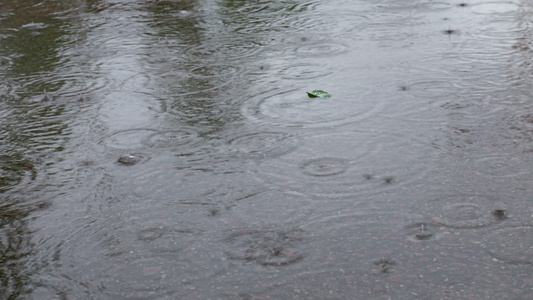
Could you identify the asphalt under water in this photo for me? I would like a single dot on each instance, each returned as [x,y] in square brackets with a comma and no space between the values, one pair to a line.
[169,150]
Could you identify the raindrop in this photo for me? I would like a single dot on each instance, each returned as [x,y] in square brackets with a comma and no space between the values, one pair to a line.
[131,159]
[422,231]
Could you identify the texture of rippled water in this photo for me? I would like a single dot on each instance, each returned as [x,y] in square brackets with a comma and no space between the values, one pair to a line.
[168,149]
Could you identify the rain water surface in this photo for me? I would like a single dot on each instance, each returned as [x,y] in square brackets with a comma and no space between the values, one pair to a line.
[168,149]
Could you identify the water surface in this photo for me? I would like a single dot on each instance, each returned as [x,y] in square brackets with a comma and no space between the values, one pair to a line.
[168,149]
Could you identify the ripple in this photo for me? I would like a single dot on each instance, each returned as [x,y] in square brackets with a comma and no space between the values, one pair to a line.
[69,85]
[420,100]
[496,7]
[47,125]
[324,49]
[431,100]
[508,98]
[171,138]
[15,173]
[526,119]
[185,186]
[266,246]
[150,272]
[261,144]
[349,163]
[182,82]
[274,206]
[313,45]
[230,49]
[504,31]
[128,139]
[205,110]
[500,166]
[293,108]
[325,166]
[304,71]
[466,211]
[257,18]
[520,132]
[340,24]
[511,245]
[49,107]
[151,233]
[214,70]
[356,236]
[438,5]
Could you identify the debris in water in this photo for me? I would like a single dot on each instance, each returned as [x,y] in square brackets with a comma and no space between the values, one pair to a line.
[499,213]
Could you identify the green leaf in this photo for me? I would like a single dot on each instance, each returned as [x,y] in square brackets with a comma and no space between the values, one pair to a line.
[318,93]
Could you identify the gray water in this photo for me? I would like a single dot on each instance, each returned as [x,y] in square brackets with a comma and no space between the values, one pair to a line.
[168,149]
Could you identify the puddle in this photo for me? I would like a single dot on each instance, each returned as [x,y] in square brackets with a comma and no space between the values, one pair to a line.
[169,150]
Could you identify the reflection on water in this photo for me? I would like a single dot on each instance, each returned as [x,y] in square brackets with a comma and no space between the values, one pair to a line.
[168,149]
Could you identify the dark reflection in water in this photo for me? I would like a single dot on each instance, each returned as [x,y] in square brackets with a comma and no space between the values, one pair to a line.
[168,149]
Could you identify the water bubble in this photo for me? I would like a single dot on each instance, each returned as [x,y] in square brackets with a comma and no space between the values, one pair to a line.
[131,159]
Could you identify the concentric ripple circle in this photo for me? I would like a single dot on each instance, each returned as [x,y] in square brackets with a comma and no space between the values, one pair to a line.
[322,49]
[466,211]
[325,166]
[128,139]
[349,163]
[304,71]
[358,235]
[497,166]
[511,245]
[293,108]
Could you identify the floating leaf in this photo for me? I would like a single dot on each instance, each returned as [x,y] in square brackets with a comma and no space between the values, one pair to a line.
[318,93]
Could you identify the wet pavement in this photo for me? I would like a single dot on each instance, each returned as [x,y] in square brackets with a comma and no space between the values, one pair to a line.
[169,149]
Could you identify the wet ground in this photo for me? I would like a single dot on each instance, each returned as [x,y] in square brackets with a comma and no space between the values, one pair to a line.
[169,150]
